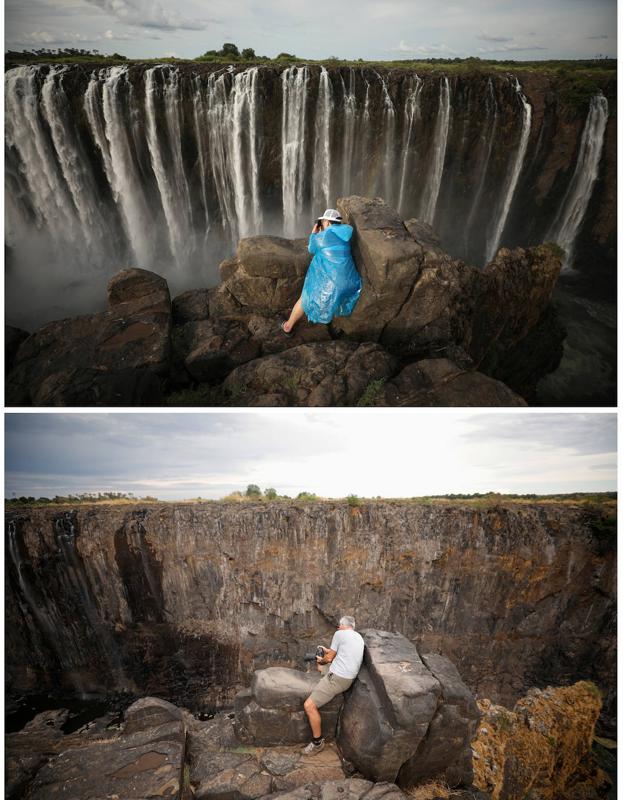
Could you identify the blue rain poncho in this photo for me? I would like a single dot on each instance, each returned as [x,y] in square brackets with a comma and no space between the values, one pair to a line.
[332,284]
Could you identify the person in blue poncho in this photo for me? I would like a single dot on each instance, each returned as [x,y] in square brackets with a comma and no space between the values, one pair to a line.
[332,284]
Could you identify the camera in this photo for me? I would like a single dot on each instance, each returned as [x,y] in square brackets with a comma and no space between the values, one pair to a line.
[313,656]
[319,223]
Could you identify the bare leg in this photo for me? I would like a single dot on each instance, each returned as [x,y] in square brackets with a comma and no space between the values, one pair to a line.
[295,315]
[313,715]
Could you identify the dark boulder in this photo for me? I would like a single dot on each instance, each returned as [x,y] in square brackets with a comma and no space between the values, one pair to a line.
[440,382]
[320,374]
[267,273]
[190,306]
[116,357]
[407,718]
[389,261]
[145,760]
[271,711]
[13,337]
[445,751]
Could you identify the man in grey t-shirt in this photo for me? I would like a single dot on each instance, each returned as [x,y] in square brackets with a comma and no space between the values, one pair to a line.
[340,664]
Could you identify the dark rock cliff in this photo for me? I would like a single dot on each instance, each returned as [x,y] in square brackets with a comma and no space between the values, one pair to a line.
[185,600]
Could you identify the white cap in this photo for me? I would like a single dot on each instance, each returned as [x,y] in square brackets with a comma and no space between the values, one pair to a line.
[332,214]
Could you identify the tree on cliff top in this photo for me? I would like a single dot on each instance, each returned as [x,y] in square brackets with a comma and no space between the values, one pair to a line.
[253,490]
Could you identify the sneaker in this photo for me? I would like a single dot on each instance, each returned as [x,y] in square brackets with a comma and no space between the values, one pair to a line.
[311,749]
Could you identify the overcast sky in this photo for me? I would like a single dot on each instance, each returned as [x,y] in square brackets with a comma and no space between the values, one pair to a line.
[350,29]
[393,454]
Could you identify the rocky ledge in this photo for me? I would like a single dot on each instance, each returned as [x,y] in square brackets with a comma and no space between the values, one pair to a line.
[543,748]
[428,331]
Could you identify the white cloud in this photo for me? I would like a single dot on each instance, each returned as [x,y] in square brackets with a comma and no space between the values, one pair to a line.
[423,49]
[147,14]
[400,454]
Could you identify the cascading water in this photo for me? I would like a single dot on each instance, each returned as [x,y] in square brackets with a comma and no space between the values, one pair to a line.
[389,129]
[487,141]
[518,161]
[427,214]
[107,113]
[166,161]
[565,227]
[322,146]
[412,115]
[294,81]
[350,120]
[165,168]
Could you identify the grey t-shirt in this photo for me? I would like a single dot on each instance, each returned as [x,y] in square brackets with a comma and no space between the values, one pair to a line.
[348,645]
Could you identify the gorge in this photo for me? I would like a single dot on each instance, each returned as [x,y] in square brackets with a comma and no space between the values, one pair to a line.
[184,600]
[166,167]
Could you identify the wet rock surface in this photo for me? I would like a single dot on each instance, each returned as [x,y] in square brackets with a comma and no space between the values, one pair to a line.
[417,304]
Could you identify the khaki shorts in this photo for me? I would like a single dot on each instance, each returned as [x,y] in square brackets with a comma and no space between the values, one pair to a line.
[328,687]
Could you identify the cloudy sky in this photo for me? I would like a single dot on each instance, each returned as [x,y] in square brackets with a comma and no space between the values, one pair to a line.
[368,29]
[393,454]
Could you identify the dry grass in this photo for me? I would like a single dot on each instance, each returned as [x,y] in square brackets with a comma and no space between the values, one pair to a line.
[432,789]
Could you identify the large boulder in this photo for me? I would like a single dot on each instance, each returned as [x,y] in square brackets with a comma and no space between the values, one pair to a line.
[389,708]
[271,711]
[407,717]
[514,294]
[320,374]
[441,382]
[389,261]
[445,751]
[266,275]
[115,357]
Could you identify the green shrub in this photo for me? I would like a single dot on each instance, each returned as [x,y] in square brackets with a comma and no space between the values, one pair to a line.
[353,500]
[371,393]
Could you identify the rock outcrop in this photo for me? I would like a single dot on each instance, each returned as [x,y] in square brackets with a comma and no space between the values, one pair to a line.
[145,760]
[106,598]
[542,747]
[418,305]
[116,357]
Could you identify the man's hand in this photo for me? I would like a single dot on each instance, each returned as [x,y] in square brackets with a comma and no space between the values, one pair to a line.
[316,228]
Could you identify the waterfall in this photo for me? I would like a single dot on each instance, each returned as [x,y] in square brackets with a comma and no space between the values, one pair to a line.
[294,81]
[245,151]
[165,168]
[109,129]
[322,197]
[199,114]
[442,126]
[569,218]
[26,133]
[74,166]
[412,114]
[491,106]
[166,161]
[389,137]
[514,174]
[350,119]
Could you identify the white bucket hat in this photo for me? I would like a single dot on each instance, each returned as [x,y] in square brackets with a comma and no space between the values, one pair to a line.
[332,214]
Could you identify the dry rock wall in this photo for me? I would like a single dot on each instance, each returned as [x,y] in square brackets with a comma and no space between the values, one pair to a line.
[184,600]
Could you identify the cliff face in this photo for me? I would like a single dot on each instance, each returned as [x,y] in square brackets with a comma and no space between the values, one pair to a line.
[165,168]
[184,600]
